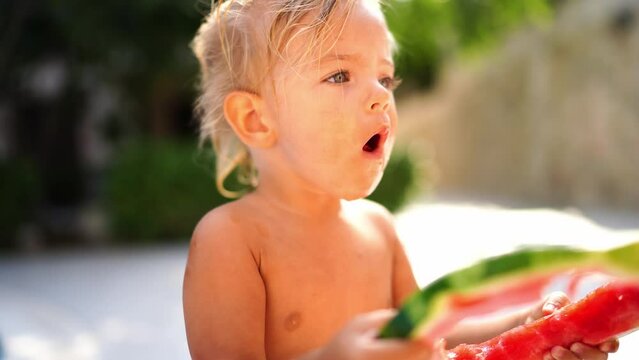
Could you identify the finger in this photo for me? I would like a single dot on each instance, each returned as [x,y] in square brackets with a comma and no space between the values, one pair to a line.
[439,352]
[548,305]
[554,302]
[536,311]
[559,353]
[609,346]
[584,351]
[373,320]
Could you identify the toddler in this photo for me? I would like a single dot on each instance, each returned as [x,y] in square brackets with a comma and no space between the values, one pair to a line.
[297,99]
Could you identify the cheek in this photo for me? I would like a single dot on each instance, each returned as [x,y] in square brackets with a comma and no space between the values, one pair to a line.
[319,121]
[335,130]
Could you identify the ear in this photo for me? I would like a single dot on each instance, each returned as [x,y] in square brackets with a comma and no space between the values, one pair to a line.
[245,113]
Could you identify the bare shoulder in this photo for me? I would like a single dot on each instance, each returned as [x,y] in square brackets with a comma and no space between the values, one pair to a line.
[378,215]
[221,245]
[220,225]
[223,292]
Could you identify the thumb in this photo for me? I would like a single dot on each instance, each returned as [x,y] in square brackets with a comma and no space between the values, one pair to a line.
[547,306]
[554,302]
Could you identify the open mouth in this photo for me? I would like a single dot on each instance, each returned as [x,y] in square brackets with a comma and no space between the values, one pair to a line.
[372,144]
[375,144]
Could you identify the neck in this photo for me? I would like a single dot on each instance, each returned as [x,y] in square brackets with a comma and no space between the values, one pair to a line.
[297,199]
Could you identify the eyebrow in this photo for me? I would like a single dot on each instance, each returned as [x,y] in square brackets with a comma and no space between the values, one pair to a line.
[356,58]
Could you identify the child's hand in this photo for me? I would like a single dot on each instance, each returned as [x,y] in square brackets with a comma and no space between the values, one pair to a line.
[577,351]
[358,340]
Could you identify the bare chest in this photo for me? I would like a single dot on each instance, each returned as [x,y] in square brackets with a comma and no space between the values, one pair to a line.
[316,282]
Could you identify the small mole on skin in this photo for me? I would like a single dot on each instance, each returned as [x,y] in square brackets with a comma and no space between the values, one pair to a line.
[236,219]
[292,322]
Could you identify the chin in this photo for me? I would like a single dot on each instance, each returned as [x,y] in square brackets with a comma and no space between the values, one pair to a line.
[352,197]
[360,193]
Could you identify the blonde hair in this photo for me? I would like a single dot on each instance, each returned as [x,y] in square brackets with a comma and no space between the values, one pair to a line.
[236,46]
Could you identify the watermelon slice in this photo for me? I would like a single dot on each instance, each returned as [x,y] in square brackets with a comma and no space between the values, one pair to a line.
[608,311]
[494,283]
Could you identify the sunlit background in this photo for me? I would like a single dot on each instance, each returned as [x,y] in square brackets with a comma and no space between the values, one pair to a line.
[519,124]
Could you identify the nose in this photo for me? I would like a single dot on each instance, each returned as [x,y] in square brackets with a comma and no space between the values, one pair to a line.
[380,98]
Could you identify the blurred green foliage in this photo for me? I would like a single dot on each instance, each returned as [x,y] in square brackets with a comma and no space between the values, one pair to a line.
[402,180]
[20,192]
[159,189]
[429,31]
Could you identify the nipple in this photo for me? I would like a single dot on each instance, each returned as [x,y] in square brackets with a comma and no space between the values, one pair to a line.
[292,322]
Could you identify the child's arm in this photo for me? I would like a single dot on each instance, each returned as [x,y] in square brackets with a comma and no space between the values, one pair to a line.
[223,294]
[404,283]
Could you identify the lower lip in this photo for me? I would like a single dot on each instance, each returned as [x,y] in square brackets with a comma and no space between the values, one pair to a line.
[375,154]
[379,151]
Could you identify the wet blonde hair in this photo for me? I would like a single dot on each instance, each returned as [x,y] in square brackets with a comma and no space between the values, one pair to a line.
[236,46]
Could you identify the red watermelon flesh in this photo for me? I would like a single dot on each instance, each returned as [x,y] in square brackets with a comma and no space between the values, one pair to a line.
[608,311]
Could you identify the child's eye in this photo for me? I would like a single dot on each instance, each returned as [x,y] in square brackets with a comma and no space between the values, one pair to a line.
[339,77]
[390,83]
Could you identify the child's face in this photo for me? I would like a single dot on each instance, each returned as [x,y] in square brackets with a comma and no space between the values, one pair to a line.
[336,116]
